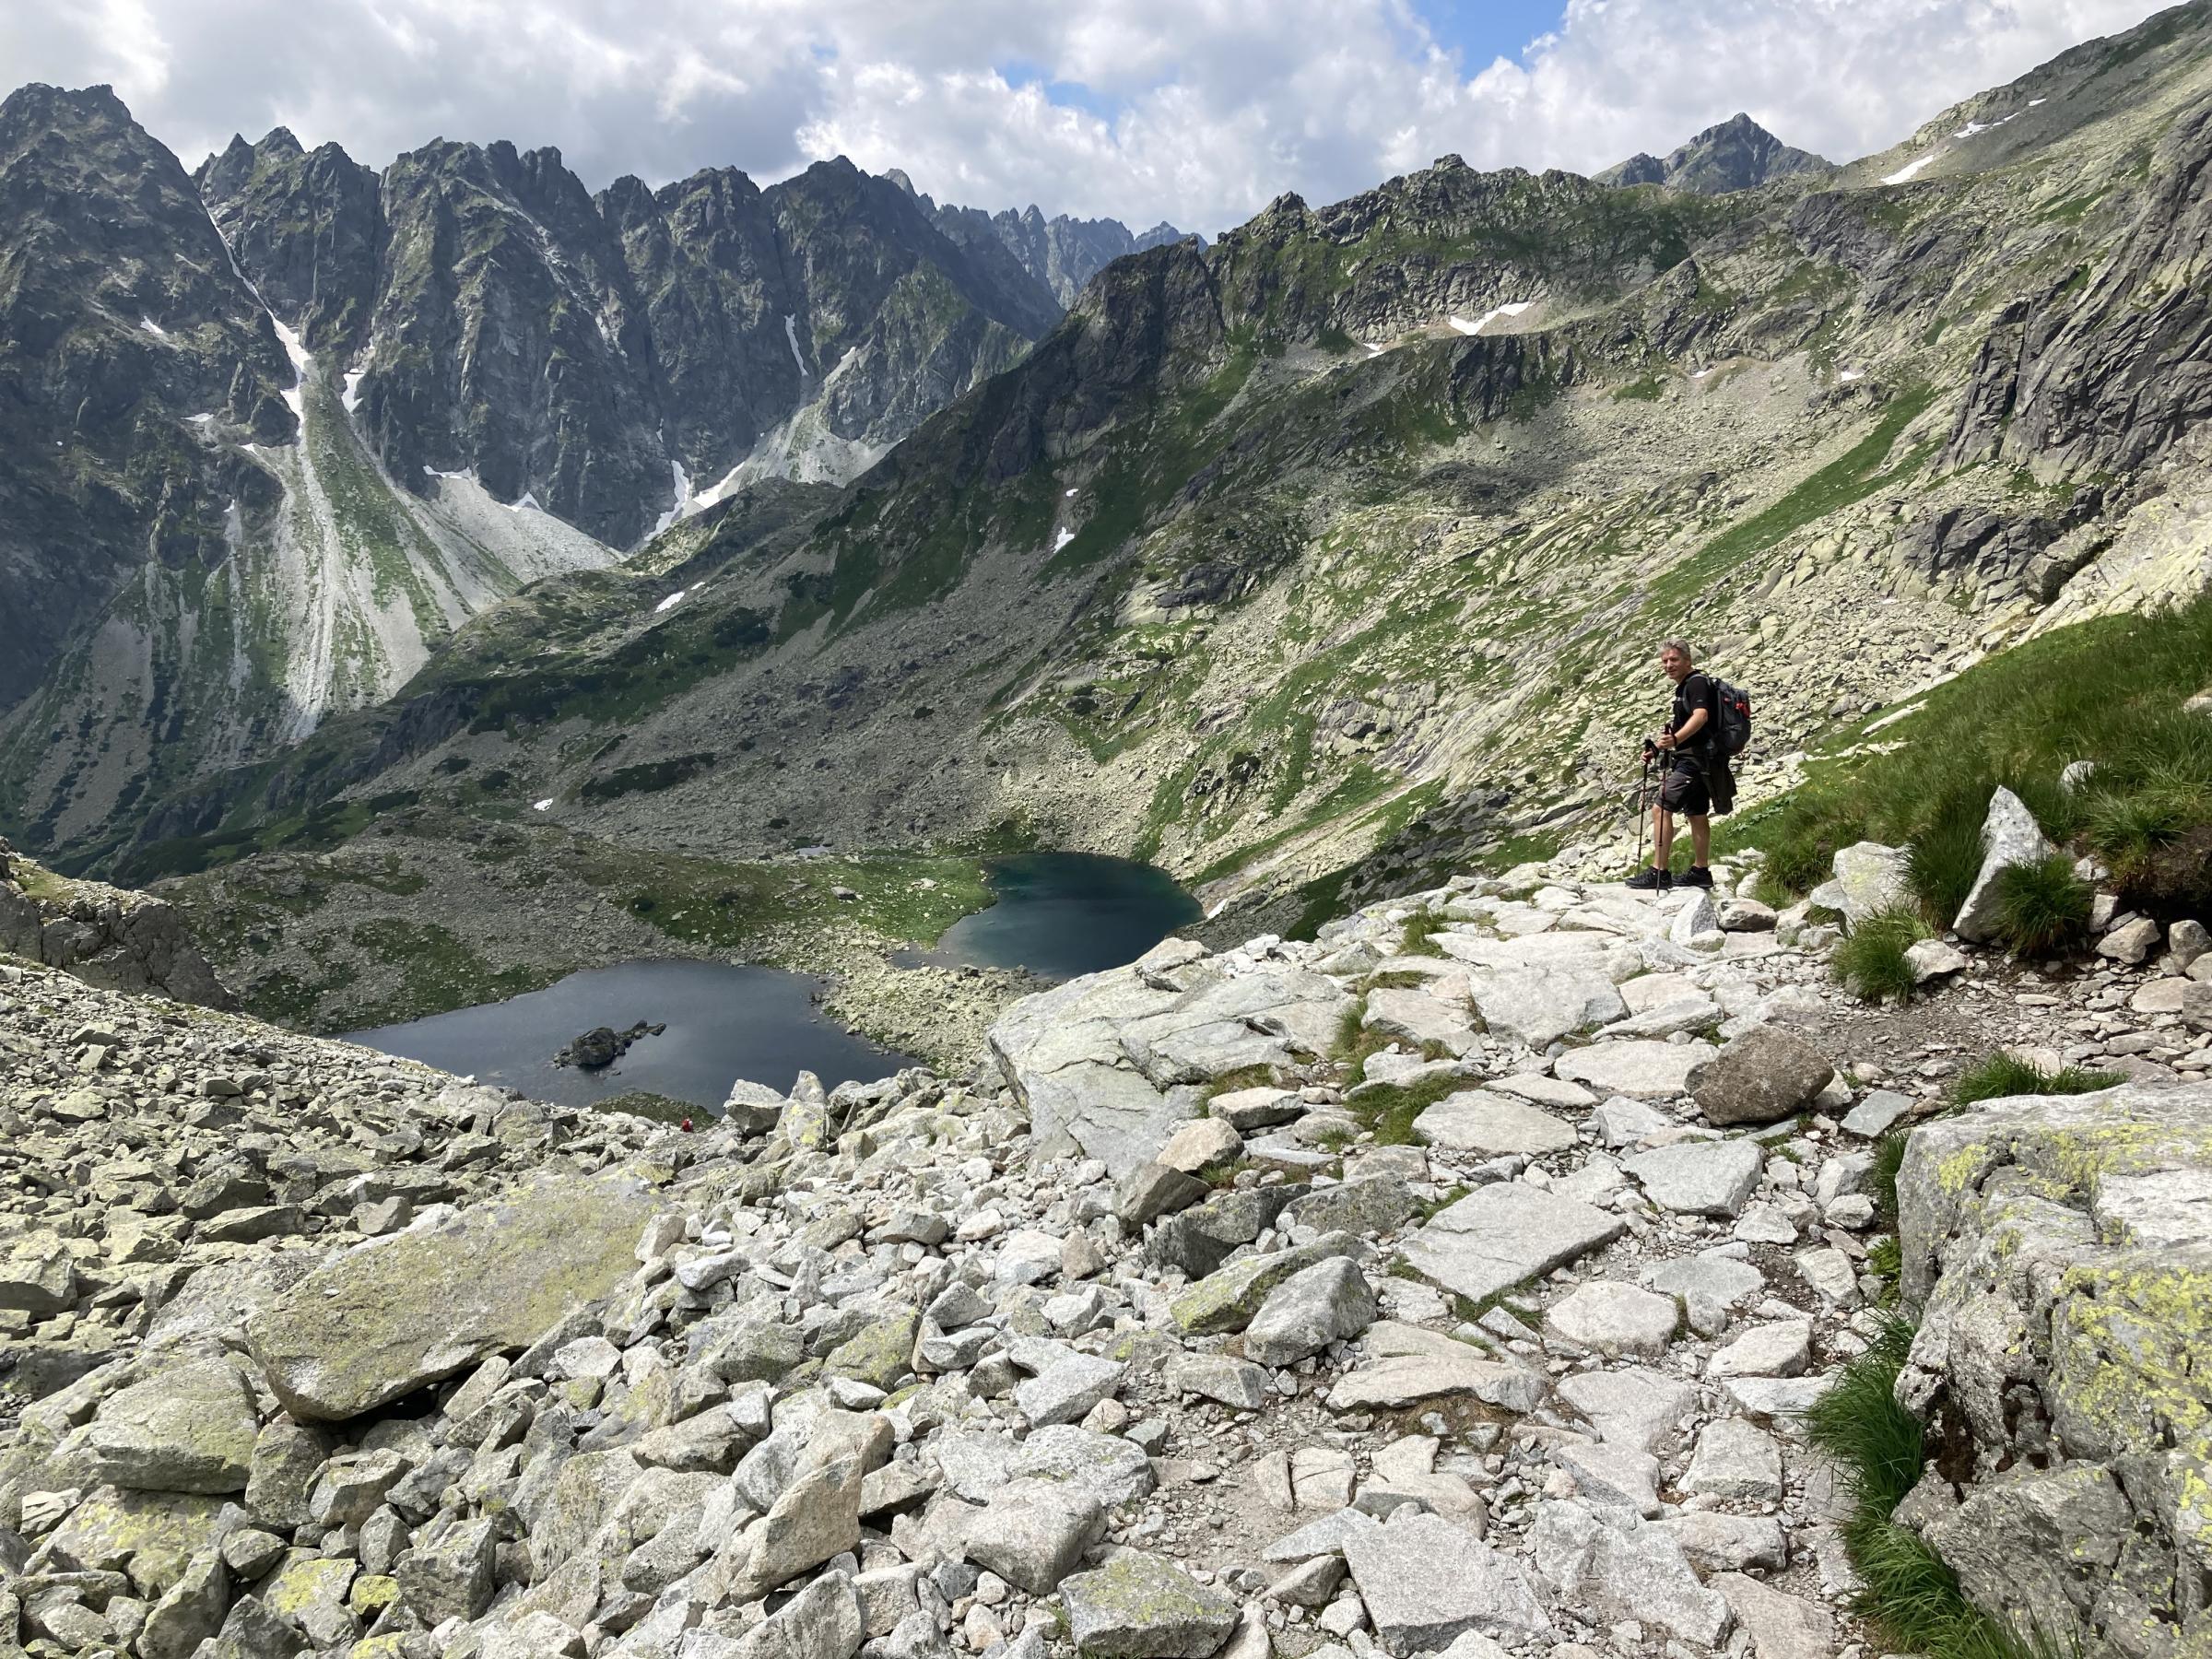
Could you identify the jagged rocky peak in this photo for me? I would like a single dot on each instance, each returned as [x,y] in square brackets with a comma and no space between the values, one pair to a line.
[498,265]
[1061,252]
[306,228]
[1738,154]
[124,321]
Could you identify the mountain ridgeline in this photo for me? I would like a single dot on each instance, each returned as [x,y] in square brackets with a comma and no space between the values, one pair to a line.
[598,352]
[1063,253]
[279,426]
[1312,561]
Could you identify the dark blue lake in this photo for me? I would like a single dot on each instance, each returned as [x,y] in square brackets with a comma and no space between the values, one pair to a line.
[1060,915]
[723,1021]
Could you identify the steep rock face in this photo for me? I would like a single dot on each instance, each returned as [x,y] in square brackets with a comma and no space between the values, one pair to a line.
[308,228]
[498,342]
[893,319]
[107,937]
[2104,369]
[710,274]
[120,321]
[618,360]
[1738,154]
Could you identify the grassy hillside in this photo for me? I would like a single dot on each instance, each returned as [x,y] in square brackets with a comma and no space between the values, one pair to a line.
[2113,693]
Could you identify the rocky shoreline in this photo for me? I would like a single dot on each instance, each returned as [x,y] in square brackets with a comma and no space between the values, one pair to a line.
[341,941]
[1455,1282]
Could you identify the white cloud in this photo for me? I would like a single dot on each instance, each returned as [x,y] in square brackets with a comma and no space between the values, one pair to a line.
[1197,110]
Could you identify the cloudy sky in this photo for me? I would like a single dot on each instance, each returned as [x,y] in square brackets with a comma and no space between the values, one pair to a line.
[1193,111]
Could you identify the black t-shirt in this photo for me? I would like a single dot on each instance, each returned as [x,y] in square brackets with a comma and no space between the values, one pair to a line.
[1695,692]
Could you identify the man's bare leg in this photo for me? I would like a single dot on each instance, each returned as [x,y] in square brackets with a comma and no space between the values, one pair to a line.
[1700,842]
[1663,837]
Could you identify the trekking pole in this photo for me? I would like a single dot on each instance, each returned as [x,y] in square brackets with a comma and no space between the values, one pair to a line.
[1644,781]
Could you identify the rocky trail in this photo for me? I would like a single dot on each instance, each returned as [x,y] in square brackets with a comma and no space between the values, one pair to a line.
[1452,1283]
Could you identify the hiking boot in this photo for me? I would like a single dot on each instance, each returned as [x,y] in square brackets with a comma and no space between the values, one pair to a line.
[1697,876]
[1650,881]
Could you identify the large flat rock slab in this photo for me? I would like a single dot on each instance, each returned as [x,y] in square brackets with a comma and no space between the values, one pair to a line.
[1643,1070]
[1098,1060]
[1412,1365]
[1540,1005]
[1427,1582]
[1060,1052]
[1499,1236]
[382,1319]
[1269,1017]
[1477,1121]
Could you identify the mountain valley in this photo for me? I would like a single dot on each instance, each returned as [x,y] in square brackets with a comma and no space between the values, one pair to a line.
[523,700]
[1308,561]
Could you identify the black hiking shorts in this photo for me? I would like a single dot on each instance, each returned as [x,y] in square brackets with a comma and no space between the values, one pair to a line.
[1684,789]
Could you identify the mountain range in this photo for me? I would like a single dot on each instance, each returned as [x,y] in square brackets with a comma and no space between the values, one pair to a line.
[1304,563]
[282,424]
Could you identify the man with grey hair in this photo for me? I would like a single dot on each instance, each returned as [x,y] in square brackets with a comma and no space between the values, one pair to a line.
[1685,751]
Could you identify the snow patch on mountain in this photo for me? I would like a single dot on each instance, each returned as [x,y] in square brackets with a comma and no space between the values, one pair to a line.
[1511,308]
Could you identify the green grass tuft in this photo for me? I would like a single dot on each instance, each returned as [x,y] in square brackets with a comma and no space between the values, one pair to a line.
[1911,1598]
[1389,1111]
[1886,1257]
[2043,908]
[1945,854]
[1998,1076]
[1859,1423]
[1871,961]
[1888,1158]
[1419,929]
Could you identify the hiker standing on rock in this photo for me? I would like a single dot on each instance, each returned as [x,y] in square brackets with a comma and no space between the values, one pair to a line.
[1685,751]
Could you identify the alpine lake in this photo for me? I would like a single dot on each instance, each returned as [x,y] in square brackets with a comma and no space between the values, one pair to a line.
[1057,915]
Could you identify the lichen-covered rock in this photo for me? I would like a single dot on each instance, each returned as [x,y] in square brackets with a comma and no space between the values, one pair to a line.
[188,1428]
[1144,1606]
[2058,1251]
[1227,1301]
[389,1316]
[1870,878]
